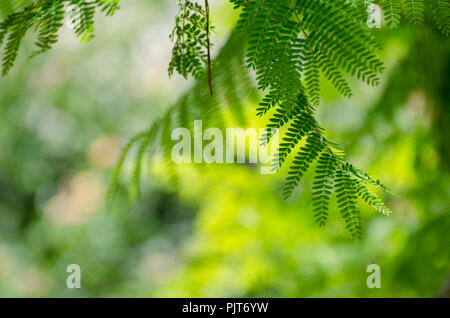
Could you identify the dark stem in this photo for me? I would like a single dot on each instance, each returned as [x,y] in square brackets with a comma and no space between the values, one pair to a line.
[209,48]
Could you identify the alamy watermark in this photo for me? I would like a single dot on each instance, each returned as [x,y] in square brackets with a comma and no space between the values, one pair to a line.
[74,13]
[374,16]
[74,279]
[374,279]
[236,145]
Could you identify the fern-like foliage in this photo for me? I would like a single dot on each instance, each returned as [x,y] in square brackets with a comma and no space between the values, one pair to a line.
[82,17]
[288,39]
[235,88]
[47,16]
[441,14]
[51,21]
[346,193]
[109,7]
[13,30]
[391,12]
[305,156]
[190,52]
[415,10]
[323,186]
[289,44]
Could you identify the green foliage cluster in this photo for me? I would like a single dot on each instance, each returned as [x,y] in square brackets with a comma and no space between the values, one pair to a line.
[289,44]
[236,89]
[221,232]
[47,17]
[414,11]
[190,52]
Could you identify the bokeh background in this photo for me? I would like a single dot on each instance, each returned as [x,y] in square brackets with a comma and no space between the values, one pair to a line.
[224,230]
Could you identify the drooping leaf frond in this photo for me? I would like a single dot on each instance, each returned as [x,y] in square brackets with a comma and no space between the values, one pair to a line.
[305,156]
[81,16]
[235,88]
[13,30]
[51,21]
[190,52]
[115,180]
[371,199]
[147,139]
[47,17]
[414,11]
[364,176]
[323,186]
[311,74]
[108,6]
[441,14]
[289,44]
[299,127]
[347,195]
[391,12]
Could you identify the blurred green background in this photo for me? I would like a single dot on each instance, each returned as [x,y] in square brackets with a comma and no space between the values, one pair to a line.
[224,231]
